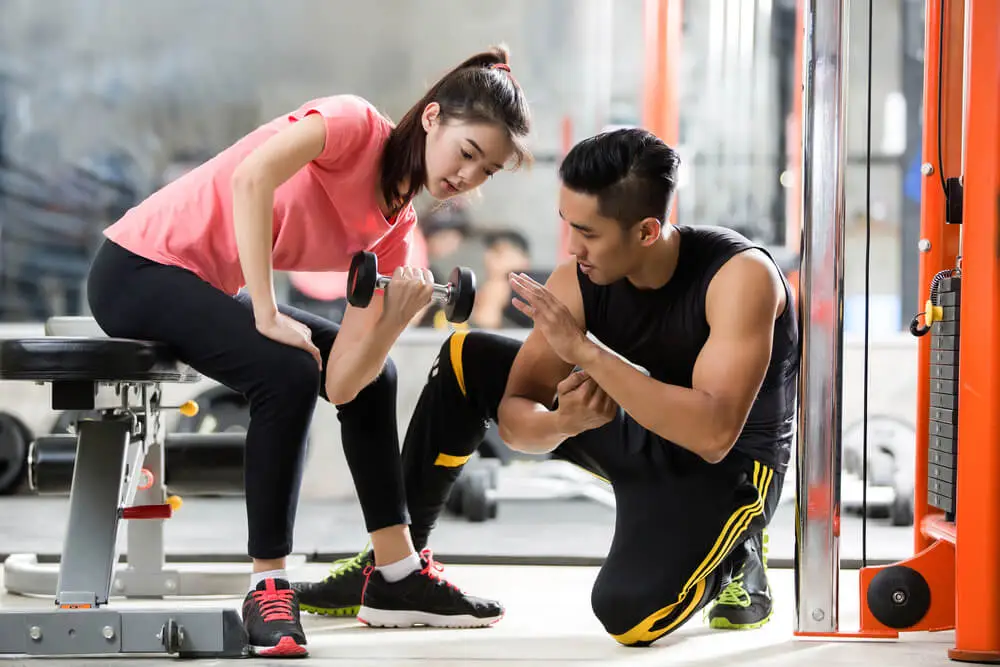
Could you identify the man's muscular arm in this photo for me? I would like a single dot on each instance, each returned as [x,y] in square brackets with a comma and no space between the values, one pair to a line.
[525,419]
[742,304]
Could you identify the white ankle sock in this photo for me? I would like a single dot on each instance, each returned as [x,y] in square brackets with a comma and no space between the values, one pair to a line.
[401,569]
[258,577]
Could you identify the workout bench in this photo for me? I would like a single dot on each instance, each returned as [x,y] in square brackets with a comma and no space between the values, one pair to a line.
[117,473]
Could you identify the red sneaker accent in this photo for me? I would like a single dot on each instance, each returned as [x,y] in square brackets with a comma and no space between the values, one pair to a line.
[433,568]
[275,603]
[286,647]
[368,573]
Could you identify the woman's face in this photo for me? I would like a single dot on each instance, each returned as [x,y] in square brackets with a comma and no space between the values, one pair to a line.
[460,156]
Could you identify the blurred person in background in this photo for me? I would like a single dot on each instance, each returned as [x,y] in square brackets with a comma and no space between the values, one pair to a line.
[507,251]
[445,229]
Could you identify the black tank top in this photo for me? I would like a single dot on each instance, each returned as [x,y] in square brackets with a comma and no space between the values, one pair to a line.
[663,331]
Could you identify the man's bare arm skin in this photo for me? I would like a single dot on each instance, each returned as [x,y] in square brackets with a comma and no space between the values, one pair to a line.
[526,421]
[743,301]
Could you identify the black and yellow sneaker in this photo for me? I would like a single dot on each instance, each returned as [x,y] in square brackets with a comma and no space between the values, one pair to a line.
[745,603]
[339,594]
[423,598]
[271,621]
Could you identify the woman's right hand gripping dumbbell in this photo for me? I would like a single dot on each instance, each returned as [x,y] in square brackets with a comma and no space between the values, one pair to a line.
[409,291]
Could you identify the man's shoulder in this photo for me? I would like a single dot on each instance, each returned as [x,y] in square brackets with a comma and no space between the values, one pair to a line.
[747,274]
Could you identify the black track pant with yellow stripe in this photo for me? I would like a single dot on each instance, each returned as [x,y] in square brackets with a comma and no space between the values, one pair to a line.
[679,519]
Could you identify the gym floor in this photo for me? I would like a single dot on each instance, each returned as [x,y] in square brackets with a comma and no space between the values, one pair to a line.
[549,622]
[548,607]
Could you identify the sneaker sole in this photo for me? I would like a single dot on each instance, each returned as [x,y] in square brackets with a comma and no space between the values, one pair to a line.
[285,648]
[722,623]
[385,618]
[330,611]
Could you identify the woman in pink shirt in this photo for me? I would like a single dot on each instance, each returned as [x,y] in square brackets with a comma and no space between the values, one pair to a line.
[192,266]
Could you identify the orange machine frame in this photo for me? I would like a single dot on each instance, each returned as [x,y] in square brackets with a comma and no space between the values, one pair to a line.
[960,560]
[663,24]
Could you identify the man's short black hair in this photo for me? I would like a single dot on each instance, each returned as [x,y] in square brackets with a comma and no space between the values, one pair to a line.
[631,171]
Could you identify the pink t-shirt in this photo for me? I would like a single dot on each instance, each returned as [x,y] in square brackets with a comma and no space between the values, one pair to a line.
[323,215]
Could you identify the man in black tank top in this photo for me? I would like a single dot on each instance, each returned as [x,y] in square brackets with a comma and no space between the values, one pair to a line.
[689,416]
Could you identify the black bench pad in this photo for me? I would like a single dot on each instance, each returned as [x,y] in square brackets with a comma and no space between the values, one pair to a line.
[54,358]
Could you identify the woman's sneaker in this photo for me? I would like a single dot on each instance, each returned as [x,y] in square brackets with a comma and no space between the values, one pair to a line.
[423,598]
[339,594]
[271,620]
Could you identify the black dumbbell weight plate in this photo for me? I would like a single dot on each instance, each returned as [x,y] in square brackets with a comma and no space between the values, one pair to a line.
[361,279]
[463,281]
[478,499]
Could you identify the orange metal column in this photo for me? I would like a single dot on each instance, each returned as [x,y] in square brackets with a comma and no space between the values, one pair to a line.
[977,631]
[943,238]
[565,145]
[663,24]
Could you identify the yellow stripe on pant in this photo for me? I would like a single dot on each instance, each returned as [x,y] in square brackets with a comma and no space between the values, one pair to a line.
[738,522]
[455,353]
[449,461]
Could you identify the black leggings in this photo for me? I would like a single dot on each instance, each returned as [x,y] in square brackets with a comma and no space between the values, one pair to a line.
[214,333]
[681,523]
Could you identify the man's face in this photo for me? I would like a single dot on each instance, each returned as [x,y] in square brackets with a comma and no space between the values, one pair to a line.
[605,251]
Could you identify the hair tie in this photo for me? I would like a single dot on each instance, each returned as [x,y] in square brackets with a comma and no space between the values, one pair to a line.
[504,66]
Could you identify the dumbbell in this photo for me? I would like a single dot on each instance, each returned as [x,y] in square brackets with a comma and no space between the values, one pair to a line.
[457,296]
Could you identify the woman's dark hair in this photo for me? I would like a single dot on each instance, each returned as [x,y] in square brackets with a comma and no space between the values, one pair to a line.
[476,92]
[632,173]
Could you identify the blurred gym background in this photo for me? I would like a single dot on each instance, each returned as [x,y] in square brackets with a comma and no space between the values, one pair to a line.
[103,101]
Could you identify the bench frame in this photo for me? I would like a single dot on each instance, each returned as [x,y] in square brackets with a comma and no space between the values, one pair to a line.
[112,452]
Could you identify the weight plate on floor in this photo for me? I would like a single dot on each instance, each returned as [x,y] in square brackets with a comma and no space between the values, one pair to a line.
[476,496]
[13,454]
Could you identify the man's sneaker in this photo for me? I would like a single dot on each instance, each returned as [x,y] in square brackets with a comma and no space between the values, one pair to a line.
[271,620]
[339,594]
[745,603]
[423,598]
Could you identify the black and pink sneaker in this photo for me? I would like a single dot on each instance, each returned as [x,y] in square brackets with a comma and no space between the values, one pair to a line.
[271,620]
[423,598]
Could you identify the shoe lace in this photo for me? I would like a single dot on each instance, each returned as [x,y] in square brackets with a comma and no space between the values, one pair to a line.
[734,594]
[275,604]
[345,565]
[433,569]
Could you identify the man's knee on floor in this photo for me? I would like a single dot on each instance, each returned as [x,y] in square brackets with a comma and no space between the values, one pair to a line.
[622,615]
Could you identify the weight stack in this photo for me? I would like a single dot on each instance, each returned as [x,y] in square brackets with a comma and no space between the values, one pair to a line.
[942,455]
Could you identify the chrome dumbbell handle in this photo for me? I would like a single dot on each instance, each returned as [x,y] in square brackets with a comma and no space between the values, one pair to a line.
[442,293]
